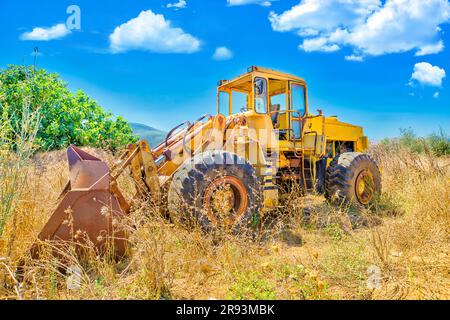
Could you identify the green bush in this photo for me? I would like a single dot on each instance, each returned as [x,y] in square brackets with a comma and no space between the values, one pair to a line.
[251,286]
[65,117]
[437,144]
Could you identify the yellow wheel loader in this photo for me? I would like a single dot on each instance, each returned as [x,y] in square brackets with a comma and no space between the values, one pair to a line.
[223,170]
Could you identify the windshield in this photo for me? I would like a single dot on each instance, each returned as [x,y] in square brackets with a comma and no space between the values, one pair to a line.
[238,103]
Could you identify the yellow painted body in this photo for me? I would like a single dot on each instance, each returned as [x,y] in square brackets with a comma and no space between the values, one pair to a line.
[318,137]
[263,112]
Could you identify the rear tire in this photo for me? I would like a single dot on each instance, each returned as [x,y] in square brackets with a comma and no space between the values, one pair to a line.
[353,178]
[216,190]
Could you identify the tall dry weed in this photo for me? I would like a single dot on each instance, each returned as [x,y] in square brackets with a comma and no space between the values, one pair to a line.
[414,247]
[308,250]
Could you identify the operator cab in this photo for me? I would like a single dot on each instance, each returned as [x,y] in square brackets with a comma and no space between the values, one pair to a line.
[261,92]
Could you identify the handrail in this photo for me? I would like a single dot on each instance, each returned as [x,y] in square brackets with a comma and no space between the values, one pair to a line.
[173,130]
[290,111]
[280,111]
[185,147]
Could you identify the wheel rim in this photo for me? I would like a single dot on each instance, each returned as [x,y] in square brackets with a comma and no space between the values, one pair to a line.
[364,187]
[225,200]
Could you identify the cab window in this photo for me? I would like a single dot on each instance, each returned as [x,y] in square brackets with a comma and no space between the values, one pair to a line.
[224,102]
[260,87]
[298,99]
[296,129]
[279,99]
[239,101]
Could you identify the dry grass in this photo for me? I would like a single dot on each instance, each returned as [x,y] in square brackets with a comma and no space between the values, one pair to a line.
[314,251]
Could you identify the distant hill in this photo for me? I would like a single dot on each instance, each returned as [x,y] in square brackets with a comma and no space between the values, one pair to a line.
[152,135]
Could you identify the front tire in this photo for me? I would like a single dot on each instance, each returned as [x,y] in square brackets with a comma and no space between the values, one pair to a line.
[353,178]
[216,190]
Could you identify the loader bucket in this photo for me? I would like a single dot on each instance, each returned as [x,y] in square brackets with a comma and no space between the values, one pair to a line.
[89,208]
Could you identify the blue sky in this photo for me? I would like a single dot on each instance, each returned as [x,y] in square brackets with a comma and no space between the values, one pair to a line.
[380,64]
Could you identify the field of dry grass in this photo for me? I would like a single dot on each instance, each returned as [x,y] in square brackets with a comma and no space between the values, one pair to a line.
[312,251]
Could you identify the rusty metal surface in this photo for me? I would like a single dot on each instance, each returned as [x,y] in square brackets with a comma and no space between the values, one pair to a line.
[89,210]
[86,170]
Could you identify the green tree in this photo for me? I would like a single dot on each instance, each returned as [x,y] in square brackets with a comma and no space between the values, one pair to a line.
[66,117]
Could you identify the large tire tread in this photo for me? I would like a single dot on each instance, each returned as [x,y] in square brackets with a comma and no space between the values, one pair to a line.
[190,181]
[342,173]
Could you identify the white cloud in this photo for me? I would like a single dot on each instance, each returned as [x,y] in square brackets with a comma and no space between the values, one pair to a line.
[222,53]
[318,44]
[57,31]
[264,3]
[181,4]
[431,48]
[354,57]
[436,95]
[427,74]
[152,32]
[370,27]
[323,15]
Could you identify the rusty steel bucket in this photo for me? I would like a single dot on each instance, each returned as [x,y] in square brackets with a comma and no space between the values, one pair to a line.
[91,208]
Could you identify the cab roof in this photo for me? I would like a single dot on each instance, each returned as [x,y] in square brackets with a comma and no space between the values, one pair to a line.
[259,71]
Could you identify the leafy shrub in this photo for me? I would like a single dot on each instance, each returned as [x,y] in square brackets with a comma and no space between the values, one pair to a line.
[437,144]
[66,117]
[251,286]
